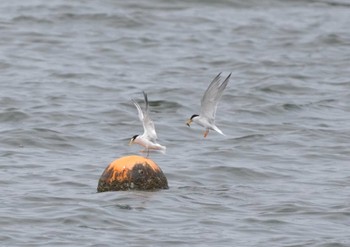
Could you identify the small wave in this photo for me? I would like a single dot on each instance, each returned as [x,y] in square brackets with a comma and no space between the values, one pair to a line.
[240,173]
[13,115]
[29,18]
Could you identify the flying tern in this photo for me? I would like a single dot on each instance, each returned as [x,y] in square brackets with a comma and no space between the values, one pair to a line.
[209,103]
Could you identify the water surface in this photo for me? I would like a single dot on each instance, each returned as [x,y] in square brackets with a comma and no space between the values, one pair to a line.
[280,176]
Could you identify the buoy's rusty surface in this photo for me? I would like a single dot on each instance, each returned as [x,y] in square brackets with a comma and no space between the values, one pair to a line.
[132,173]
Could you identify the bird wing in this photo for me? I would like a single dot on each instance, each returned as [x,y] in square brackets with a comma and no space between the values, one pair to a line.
[211,97]
[144,116]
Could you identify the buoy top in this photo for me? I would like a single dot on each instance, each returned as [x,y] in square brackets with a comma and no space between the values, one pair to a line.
[123,164]
[127,162]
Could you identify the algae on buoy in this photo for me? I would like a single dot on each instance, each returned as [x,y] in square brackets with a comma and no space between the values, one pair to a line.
[132,173]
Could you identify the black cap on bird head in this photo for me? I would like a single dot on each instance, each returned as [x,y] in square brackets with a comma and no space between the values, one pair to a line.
[132,139]
[189,121]
[194,115]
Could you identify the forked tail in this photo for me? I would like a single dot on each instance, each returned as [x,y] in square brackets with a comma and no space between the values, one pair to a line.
[161,149]
[218,130]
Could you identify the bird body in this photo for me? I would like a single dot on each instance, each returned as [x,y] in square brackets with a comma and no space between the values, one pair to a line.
[148,144]
[204,122]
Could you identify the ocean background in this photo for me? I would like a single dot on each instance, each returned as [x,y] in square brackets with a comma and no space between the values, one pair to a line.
[280,176]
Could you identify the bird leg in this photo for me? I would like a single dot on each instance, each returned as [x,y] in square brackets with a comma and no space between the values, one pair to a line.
[206,133]
[146,150]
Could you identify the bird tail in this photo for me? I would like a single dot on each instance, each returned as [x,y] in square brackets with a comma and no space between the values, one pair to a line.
[218,130]
[161,149]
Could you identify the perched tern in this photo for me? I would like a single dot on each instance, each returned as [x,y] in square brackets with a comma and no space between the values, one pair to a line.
[209,103]
[149,137]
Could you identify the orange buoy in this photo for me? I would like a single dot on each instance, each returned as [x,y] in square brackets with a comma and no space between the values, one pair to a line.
[132,173]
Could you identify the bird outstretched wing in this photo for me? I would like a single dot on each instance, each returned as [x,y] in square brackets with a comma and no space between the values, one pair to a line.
[144,116]
[211,97]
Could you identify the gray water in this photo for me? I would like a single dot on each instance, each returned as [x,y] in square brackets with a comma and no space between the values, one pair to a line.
[280,176]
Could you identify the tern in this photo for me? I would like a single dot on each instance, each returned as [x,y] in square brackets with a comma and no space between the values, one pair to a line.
[209,103]
[149,137]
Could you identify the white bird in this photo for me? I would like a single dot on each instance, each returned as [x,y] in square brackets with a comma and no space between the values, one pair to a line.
[149,137]
[209,103]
